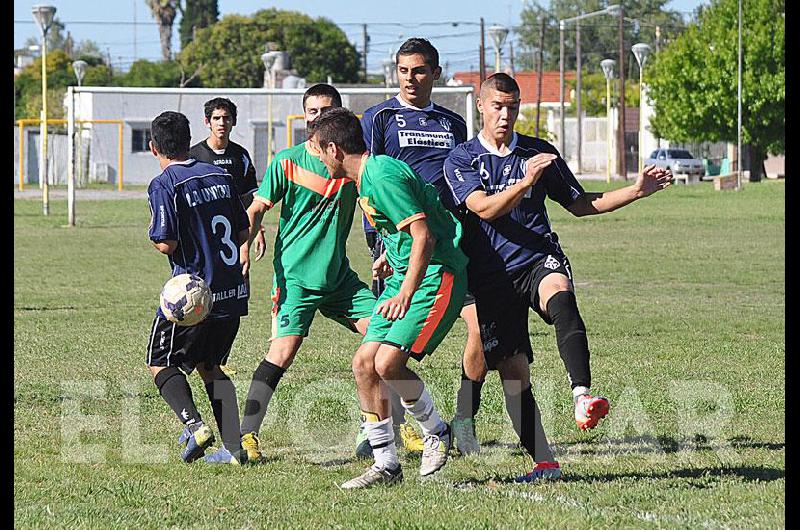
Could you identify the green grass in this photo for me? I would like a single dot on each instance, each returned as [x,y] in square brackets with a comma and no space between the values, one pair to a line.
[683,296]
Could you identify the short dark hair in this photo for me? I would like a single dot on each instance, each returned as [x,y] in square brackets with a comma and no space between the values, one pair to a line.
[219,103]
[324,90]
[421,46]
[341,127]
[170,134]
[501,82]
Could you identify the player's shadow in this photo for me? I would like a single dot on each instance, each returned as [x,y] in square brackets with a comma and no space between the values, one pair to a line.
[744,473]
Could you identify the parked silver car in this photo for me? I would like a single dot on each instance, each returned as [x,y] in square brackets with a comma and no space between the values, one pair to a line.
[680,161]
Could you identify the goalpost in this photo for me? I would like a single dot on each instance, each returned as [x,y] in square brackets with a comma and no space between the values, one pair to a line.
[136,106]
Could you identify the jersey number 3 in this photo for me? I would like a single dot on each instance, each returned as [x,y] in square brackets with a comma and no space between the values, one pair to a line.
[226,239]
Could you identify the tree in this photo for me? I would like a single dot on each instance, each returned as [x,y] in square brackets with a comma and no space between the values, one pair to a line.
[693,82]
[164,11]
[197,14]
[228,53]
[599,35]
[160,74]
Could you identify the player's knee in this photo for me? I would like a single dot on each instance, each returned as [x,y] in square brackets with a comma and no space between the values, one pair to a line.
[551,286]
[562,308]
[363,365]
[386,365]
[282,353]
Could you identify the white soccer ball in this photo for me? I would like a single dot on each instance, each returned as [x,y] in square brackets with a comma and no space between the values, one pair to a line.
[186,299]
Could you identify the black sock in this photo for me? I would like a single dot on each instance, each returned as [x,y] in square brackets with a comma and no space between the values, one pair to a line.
[222,395]
[265,380]
[175,390]
[571,337]
[527,423]
[468,400]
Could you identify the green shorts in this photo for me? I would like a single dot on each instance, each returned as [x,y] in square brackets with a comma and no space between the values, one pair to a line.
[434,308]
[293,306]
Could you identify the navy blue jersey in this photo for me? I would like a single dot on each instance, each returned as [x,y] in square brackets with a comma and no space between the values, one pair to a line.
[524,235]
[196,204]
[420,137]
[235,160]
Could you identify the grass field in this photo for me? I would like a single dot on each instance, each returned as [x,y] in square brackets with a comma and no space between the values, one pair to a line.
[683,296]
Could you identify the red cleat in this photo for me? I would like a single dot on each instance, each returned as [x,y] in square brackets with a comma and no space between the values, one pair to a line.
[589,410]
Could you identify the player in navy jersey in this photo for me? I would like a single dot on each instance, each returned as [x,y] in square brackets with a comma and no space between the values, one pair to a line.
[501,180]
[199,222]
[220,150]
[411,128]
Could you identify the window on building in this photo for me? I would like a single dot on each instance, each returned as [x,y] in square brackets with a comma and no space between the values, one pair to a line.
[140,139]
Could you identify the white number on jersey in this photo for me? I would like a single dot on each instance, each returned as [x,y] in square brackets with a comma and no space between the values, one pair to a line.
[401,122]
[226,239]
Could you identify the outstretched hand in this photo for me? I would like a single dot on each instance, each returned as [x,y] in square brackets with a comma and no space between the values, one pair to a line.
[652,179]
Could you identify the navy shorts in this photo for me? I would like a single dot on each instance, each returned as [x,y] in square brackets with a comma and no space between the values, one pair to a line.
[208,342]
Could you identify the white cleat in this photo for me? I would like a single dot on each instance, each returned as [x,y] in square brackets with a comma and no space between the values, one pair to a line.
[374,476]
[434,453]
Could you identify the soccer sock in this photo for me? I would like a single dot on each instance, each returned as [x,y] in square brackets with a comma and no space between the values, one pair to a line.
[396,408]
[527,422]
[222,395]
[174,388]
[468,400]
[571,337]
[381,439]
[578,391]
[424,411]
[265,380]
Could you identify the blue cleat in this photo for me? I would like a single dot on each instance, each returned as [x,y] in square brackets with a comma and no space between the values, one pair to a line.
[223,456]
[196,442]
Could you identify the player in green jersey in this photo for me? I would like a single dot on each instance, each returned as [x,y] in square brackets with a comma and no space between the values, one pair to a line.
[311,270]
[422,298]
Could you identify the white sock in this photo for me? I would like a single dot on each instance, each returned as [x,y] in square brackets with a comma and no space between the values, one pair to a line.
[579,391]
[424,411]
[381,437]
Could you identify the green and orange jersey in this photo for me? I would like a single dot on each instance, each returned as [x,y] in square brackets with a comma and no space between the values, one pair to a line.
[316,216]
[393,196]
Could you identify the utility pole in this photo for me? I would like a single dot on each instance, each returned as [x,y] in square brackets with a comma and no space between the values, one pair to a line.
[366,40]
[539,76]
[511,57]
[578,94]
[135,54]
[482,65]
[561,135]
[623,171]
[658,38]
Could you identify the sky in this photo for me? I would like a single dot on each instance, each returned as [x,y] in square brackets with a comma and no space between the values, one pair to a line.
[388,25]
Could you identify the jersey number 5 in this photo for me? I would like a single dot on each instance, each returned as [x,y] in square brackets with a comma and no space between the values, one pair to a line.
[400,121]
[226,239]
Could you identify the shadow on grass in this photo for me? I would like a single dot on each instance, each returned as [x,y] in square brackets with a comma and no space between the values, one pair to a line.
[743,473]
[602,445]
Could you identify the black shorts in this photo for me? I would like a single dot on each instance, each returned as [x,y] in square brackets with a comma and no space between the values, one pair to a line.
[208,342]
[376,248]
[502,302]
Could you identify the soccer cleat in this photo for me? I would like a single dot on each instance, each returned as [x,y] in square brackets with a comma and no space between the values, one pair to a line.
[589,410]
[464,434]
[542,471]
[251,446]
[373,476]
[223,456]
[412,441]
[196,442]
[363,448]
[434,454]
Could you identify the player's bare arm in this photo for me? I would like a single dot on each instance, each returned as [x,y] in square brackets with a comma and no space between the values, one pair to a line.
[167,246]
[421,250]
[255,214]
[490,207]
[651,180]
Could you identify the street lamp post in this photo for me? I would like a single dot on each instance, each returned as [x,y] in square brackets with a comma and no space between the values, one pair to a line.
[611,10]
[498,35]
[270,59]
[44,14]
[641,51]
[79,67]
[608,70]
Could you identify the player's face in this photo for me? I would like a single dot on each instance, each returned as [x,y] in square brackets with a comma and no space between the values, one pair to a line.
[500,111]
[416,79]
[221,123]
[328,155]
[316,105]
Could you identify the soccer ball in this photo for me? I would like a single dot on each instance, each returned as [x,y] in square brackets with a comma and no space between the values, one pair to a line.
[186,299]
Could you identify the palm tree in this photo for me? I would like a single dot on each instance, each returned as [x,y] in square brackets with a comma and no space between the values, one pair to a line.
[164,12]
